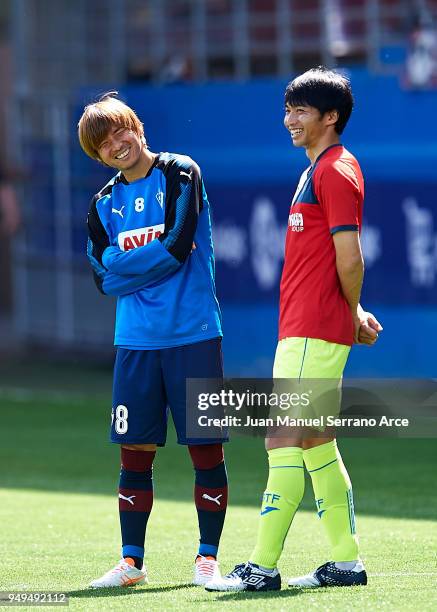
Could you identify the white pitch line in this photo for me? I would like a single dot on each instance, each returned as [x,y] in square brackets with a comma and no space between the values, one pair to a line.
[403,574]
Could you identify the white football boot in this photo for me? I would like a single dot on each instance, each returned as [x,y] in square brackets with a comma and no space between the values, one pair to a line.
[206,569]
[122,575]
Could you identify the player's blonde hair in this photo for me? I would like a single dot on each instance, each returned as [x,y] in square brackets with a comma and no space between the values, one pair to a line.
[100,117]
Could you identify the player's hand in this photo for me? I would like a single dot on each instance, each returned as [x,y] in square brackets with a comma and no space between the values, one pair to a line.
[367,331]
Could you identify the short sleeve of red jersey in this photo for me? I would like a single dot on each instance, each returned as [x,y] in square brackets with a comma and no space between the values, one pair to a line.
[338,193]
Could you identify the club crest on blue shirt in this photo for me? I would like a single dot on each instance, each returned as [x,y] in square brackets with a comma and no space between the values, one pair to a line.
[160,198]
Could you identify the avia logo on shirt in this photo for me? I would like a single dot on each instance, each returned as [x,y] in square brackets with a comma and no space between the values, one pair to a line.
[295,221]
[139,237]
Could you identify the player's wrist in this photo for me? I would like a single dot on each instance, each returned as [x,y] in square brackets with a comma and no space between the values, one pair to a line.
[356,314]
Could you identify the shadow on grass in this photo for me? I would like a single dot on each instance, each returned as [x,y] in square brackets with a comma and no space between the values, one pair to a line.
[89,593]
[284,593]
[209,597]
[254,596]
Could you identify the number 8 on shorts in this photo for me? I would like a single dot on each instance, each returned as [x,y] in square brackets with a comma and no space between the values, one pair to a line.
[120,414]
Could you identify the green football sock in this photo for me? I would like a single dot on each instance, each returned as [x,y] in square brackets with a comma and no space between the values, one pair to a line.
[281,499]
[334,501]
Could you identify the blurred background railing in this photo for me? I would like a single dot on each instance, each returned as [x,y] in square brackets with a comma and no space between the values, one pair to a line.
[207,77]
[61,45]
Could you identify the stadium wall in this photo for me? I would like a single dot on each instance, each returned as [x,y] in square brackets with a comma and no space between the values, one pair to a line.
[235,132]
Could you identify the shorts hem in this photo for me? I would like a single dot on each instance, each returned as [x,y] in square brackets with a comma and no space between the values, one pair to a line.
[197,442]
[121,442]
[341,341]
[163,344]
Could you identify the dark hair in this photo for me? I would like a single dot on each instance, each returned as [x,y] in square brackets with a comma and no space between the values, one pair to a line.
[325,90]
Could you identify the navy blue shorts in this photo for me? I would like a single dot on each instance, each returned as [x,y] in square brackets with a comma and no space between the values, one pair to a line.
[148,384]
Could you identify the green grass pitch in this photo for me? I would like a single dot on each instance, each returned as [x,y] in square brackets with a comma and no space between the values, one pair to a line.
[59,522]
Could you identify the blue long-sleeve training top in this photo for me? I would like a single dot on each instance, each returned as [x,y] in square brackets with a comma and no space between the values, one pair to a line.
[150,244]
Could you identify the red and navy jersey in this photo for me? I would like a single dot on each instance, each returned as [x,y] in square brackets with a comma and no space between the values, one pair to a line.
[329,199]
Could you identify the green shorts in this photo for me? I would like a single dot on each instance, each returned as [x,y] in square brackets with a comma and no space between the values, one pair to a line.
[309,358]
[313,369]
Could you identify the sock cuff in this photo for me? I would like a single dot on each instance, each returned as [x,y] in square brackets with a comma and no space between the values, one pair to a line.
[132,551]
[320,456]
[136,460]
[206,456]
[291,456]
[207,550]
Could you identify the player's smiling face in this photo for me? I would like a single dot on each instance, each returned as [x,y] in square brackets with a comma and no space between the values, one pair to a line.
[305,125]
[121,148]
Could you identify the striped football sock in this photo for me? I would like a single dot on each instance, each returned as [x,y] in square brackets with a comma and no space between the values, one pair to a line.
[210,495]
[135,499]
